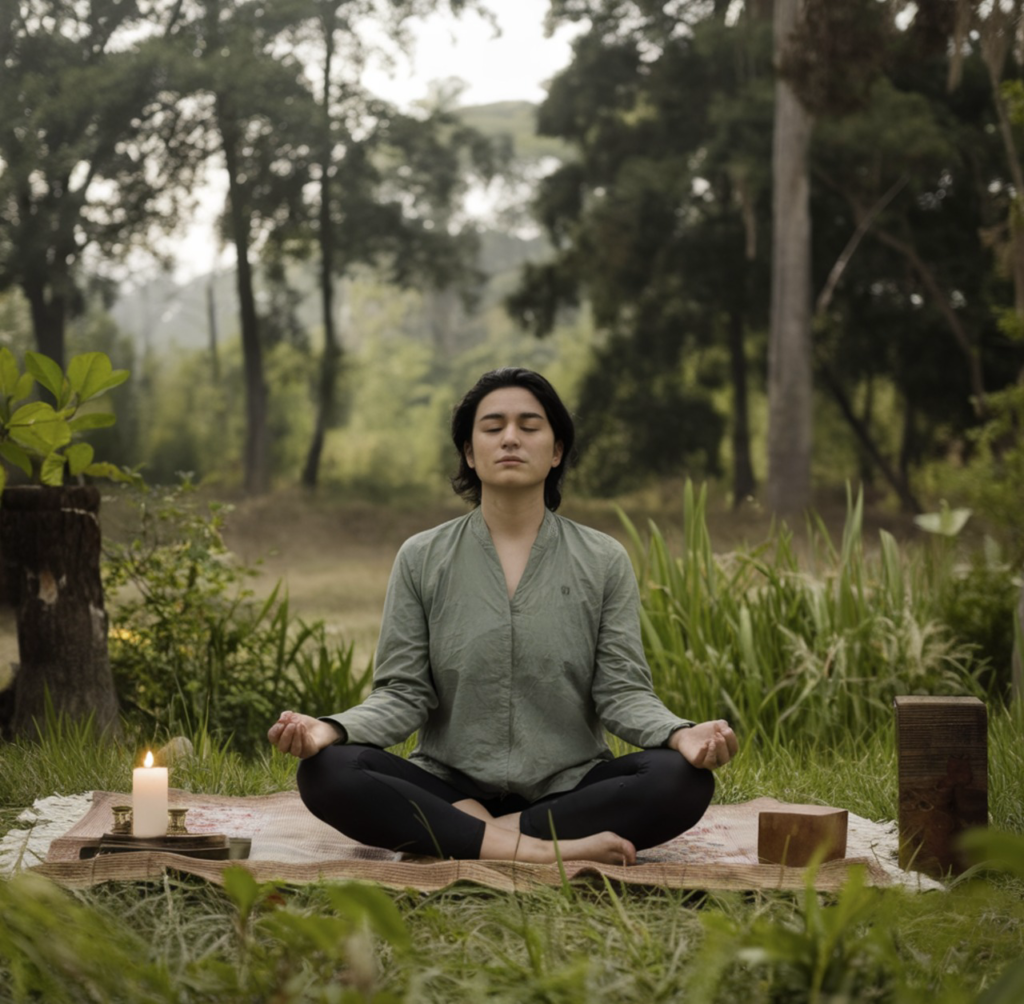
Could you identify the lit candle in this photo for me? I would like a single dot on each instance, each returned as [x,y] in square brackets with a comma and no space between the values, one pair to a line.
[149,800]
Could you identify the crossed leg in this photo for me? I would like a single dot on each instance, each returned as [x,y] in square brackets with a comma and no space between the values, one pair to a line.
[621,805]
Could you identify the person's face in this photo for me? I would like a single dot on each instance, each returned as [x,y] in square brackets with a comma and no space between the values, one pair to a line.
[513,445]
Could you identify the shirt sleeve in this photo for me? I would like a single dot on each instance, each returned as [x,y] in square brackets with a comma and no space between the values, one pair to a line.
[403,691]
[623,690]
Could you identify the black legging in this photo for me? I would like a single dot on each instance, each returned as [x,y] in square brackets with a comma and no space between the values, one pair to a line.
[382,800]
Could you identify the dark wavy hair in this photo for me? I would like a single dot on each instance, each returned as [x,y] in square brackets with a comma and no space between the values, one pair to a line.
[466,481]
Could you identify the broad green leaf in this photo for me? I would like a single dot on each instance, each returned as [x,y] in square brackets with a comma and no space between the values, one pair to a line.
[8,372]
[24,387]
[996,848]
[111,471]
[115,379]
[91,374]
[53,469]
[42,437]
[89,367]
[79,457]
[243,890]
[48,373]
[32,414]
[367,902]
[3,478]
[14,454]
[92,420]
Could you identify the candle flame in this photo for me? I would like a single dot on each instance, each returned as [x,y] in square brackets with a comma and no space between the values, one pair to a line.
[148,762]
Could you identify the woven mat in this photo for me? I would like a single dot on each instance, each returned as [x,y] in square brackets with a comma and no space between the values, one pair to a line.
[291,845]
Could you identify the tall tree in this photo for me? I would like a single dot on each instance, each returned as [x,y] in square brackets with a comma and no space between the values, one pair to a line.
[382,177]
[657,221]
[249,104]
[80,88]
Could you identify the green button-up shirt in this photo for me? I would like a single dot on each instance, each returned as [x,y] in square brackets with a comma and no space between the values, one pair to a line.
[515,694]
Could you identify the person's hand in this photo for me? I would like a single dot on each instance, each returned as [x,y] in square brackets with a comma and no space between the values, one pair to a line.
[708,745]
[301,735]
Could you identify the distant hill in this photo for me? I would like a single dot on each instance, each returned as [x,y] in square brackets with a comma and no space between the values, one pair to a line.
[517,119]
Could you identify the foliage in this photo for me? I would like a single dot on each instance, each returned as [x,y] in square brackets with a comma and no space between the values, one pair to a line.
[38,438]
[55,947]
[753,637]
[190,646]
[822,953]
[599,943]
[81,87]
[993,478]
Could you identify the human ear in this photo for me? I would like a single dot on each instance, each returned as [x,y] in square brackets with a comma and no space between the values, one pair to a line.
[556,458]
[467,452]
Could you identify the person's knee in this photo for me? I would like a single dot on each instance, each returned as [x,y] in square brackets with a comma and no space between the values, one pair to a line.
[687,788]
[314,781]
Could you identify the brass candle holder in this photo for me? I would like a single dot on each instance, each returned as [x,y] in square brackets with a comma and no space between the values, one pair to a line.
[176,821]
[122,819]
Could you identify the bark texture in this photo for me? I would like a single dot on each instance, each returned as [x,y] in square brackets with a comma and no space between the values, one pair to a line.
[50,542]
[789,353]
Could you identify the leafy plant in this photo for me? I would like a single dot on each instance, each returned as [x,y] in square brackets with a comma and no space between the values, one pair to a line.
[821,952]
[53,947]
[42,440]
[191,647]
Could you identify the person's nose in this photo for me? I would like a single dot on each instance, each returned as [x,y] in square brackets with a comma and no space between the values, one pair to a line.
[510,436]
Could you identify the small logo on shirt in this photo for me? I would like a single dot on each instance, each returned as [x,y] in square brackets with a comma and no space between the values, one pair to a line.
[565,590]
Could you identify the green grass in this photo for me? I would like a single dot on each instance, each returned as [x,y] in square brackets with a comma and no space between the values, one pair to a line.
[590,943]
[801,647]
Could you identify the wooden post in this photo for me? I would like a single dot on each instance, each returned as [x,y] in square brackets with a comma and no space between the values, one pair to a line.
[942,751]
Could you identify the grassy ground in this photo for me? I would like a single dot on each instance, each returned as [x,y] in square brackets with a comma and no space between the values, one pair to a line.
[181,940]
[191,942]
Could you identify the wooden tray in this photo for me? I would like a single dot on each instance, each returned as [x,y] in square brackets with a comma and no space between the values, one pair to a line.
[213,846]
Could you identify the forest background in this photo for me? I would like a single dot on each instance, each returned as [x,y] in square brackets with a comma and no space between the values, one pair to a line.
[727,224]
[628,223]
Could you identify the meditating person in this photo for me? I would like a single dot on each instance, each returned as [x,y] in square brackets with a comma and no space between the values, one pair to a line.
[510,640]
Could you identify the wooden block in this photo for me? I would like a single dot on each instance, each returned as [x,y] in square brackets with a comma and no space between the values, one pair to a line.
[942,751]
[791,836]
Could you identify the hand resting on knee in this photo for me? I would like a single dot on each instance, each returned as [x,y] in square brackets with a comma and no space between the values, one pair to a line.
[301,735]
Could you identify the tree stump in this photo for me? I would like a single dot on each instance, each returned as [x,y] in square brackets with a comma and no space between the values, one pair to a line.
[942,751]
[50,544]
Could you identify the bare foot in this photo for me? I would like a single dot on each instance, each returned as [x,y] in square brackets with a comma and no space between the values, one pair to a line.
[506,845]
[608,848]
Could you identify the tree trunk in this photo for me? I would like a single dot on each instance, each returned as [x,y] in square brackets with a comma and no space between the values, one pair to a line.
[50,542]
[211,325]
[330,364]
[257,437]
[789,354]
[49,313]
[743,483]
[899,485]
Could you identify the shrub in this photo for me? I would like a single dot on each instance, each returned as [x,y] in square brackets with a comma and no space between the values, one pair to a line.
[192,649]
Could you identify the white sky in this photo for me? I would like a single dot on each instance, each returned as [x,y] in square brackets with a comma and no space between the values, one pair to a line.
[512,66]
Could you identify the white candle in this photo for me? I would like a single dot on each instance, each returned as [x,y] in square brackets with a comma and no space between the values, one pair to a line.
[149,800]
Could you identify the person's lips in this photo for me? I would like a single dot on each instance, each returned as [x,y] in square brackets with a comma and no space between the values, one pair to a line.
[511,461]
